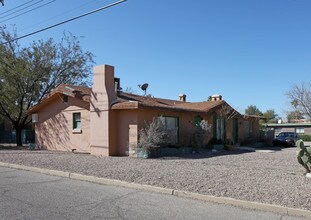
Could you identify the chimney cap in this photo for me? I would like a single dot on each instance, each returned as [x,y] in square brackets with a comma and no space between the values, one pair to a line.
[182,97]
[215,97]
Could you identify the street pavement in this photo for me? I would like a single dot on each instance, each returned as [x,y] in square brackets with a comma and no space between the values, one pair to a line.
[29,195]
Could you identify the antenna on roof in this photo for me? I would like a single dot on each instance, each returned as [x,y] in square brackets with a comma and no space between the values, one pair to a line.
[144,87]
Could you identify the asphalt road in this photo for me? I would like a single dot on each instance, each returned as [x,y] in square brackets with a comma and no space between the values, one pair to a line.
[28,195]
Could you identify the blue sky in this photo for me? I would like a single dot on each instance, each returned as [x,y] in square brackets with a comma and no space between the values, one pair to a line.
[249,51]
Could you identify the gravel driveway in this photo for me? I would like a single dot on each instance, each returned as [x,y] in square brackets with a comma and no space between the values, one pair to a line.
[273,177]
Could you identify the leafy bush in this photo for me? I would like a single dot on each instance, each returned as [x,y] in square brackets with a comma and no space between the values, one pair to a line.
[305,137]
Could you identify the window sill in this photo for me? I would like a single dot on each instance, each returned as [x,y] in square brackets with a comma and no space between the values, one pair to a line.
[77,131]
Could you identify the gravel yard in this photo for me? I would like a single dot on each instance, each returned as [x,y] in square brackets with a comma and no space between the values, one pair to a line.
[273,177]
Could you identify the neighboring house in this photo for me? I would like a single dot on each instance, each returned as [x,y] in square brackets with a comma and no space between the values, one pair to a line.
[6,131]
[8,134]
[106,121]
[299,128]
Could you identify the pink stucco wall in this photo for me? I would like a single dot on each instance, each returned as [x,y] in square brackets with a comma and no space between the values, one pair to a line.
[125,121]
[54,131]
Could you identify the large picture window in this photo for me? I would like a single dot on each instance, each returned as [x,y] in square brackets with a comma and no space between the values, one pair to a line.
[171,124]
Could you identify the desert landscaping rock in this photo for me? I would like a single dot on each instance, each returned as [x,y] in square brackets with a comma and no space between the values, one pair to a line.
[272,177]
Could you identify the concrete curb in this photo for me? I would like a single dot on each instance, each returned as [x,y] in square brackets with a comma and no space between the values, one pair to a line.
[241,203]
[207,198]
[36,169]
[112,182]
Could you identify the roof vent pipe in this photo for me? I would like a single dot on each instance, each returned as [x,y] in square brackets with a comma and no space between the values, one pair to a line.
[117,87]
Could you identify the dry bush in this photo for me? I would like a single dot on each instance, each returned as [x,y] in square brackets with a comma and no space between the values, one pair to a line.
[154,135]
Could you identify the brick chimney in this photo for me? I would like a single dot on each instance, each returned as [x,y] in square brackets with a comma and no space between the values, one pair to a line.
[182,97]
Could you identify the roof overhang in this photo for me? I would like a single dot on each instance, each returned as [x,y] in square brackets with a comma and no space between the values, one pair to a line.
[43,103]
[289,125]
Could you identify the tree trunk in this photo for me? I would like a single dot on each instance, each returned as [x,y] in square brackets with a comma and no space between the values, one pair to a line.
[18,136]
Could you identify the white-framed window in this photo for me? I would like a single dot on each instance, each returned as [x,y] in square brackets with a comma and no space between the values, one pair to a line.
[300,130]
[76,122]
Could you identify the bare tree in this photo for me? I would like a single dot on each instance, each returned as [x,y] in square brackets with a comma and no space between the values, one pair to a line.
[294,115]
[300,98]
[29,73]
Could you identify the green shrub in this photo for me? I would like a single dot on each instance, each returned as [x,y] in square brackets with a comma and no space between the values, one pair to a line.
[305,137]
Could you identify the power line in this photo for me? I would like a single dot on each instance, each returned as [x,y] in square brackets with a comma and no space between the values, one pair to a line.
[21,9]
[66,21]
[16,7]
[56,16]
[40,6]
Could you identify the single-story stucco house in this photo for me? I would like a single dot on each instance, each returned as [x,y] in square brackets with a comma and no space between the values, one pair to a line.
[8,134]
[103,120]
